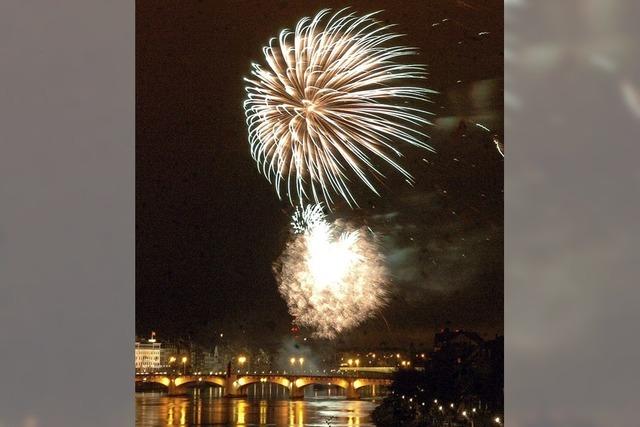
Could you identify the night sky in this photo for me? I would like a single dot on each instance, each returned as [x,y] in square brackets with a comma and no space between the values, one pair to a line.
[209,225]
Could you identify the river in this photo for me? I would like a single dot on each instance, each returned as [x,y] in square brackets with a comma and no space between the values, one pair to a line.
[270,407]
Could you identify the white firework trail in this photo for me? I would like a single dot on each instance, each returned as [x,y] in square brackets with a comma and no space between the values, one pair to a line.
[499,145]
[307,218]
[483,127]
[333,97]
[332,276]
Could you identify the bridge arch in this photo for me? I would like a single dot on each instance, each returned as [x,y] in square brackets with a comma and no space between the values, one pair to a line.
[153,379]
[187,380]
[368,382]
[362,383]
[246,381]
[306,381]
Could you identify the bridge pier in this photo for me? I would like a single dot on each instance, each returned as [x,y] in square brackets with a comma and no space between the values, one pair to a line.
[232,388]
[351,392]
[175,390]
[295,392]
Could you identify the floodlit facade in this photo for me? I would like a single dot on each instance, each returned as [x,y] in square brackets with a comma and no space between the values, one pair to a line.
[148,355]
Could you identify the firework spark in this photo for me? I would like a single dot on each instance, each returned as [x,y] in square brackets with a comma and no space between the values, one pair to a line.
[307,218]
[332,276]
[333,98]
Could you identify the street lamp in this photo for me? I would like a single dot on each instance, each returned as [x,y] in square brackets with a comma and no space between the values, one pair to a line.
[184,365]
[241,361]
[464,414]
[497,419]
[301,360]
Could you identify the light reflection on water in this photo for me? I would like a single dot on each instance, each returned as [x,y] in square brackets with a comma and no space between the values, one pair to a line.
[206,407]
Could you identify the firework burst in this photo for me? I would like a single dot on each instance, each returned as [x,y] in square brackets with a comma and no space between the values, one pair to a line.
[332,99]
[332,276]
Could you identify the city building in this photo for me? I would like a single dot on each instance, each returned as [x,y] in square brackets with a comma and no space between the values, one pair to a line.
[168,355]
[459,339]
[205,360]
[148,354]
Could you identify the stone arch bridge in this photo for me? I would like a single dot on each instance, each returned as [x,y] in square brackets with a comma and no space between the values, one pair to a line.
[235,385]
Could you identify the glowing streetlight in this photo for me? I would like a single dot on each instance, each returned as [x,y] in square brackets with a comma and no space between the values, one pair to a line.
[184,365]
[241,360]
[301,361]
[497,419]
[350,362]
[293,361]
[464,414]
[357,362]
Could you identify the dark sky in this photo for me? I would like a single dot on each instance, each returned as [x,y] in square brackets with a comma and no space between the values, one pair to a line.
[209,226]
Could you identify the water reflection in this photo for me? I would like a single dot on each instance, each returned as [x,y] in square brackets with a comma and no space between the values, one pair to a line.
[207,407]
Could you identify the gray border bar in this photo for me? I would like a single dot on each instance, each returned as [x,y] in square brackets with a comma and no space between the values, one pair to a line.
[572,142]
[66,213]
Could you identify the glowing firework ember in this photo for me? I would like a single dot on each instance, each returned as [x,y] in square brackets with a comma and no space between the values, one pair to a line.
[332,98]
[333,277]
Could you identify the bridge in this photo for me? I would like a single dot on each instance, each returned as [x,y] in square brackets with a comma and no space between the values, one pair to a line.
[235,385]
